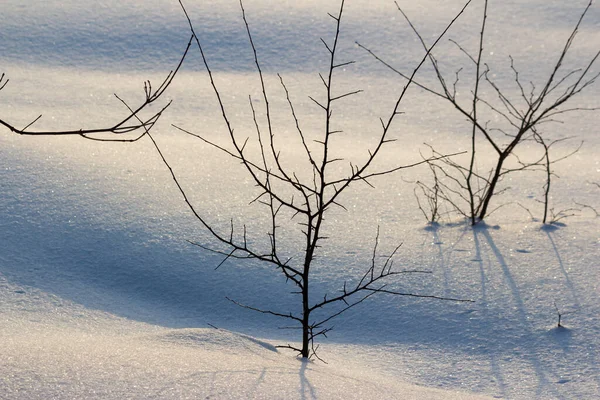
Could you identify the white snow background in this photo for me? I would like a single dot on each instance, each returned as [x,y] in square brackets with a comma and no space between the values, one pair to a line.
[102,297]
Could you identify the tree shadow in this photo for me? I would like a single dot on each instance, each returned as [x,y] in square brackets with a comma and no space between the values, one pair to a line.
[548,230]
[137,275]
[482,234]
[218,383]
[562,335]
[307,391]
[495,366]
[503,296]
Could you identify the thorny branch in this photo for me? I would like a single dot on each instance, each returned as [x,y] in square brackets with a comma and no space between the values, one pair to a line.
[131,123]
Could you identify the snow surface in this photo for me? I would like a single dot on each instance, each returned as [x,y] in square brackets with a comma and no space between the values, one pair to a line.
[60,350]
[102,297]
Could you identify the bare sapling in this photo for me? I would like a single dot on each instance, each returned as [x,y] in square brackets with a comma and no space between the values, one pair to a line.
[286,191]
[521,115]
[547,163]
[433,197]
[560,314]
[437,200]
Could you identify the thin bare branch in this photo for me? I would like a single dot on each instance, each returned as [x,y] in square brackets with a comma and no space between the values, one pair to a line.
[124,126]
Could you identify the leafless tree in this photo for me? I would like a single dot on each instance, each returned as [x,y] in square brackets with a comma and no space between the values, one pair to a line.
[284,193]
[523,116]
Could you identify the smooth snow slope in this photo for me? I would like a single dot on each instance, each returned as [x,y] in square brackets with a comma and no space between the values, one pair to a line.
[101,296]
[59,350]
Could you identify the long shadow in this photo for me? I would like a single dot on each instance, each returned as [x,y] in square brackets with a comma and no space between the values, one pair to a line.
[548,232]
[524,325]
[442,262]
[563,335]
[58,44]
[136,275]
[307,391]
[495,366]
[213,391]
[445,253]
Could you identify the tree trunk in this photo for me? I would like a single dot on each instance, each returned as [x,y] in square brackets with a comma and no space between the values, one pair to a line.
[305,318]
[492,187]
